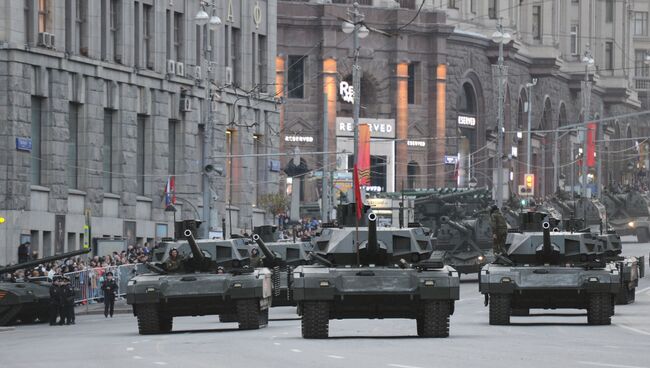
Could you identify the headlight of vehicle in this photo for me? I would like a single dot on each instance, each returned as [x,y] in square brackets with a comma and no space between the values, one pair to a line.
[631,224]
[131,283]
[481,258]
[236,285]
[429,283]
[506,280]
[324,283]
[151,289]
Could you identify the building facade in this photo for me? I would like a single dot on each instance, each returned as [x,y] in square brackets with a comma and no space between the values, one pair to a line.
[103,103]
[429,72]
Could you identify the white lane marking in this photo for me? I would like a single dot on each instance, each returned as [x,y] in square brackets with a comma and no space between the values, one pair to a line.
[609,365]
[402,366]
[644,290]
[634,329]
[335,357]
[130,349]
[277,344]
[296,350]
[160,363]
[137,357]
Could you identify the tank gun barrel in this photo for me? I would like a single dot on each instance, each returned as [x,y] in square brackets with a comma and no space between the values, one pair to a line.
[270,258]
[36,262]
[373,247]
[322,260]
[197,254]
[455,225]
[547,248]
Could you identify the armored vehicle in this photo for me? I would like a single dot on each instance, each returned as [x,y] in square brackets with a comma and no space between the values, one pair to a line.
[466,245]
[214,277]
[27,301]
[387,274]
[285,256]
[552,270]
[629,214]
[450,202]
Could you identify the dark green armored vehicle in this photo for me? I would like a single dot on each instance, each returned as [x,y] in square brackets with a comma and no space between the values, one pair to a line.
[552,270]
[27,301]
[284,256]
[466,244]
[214,277]
[388,275]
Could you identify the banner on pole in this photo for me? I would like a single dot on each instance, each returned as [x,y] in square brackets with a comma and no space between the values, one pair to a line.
[363,161]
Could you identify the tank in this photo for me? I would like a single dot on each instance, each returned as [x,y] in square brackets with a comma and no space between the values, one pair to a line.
[389,275]
[552,270]
[215,278]
[285,255]
[629,214]
[27,301]
[453,203]
[466,245]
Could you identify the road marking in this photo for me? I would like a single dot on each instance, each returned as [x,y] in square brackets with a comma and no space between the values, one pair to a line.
[160,363]
[130,349]
[277,344]
[137,357]
[296,350]
[335,357]
[643,290]
[634,329]
[609,365]
[402,366]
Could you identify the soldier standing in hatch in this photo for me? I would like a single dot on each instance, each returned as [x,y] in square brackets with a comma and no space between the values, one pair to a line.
[173,264]
[256,259]
[499,231]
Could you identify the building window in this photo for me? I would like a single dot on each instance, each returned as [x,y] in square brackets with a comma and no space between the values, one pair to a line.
[140,154]
[235,52]
[226,49]
[137,51]
[537,22]
[116,29]
[492,9]
[82,27]
[452,4]
[609,55]
[296,77]
[413,95]
[168,30]
[29,33]
[73,144]
[472,6]
[178,37]
[609,11]
[640,23]
[173,130]
[107,152]
[640,66]
[260,63]
[37,115]
[147,33]
[199,151]
[575,37]
[43,15]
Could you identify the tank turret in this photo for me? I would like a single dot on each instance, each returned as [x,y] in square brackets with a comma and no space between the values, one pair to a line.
[271,259]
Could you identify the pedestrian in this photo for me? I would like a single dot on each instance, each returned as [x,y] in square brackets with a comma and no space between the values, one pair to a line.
[24,252]
[67,302]
[55,297]
[499,231]
[110,291]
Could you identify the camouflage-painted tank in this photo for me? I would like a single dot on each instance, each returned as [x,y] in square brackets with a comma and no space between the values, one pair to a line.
[29,301]
[552,270]
[389,275]
[215,278]
[466,245]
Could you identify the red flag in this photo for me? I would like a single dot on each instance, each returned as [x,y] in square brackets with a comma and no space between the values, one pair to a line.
[591,144]
[357,191]
[363,161]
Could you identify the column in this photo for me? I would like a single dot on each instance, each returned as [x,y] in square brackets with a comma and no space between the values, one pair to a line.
[401,123]
[438,146]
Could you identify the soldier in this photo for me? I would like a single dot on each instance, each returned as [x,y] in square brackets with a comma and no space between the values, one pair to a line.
[256,259]
[55,297]
[67,302]
[499,231]
[173,264]
[110,290]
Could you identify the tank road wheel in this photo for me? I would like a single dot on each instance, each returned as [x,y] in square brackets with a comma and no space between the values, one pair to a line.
[228,318]
[433,320]
[643,235]
[499,309]
[600,309]
[149,321]
[249,314]
[315,320]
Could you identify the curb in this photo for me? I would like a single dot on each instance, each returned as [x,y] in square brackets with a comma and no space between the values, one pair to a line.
[6,329]
[83,312]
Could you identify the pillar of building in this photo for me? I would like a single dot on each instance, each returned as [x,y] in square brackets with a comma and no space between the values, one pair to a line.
[279,94]
[438,146]
[402,124]
[329,88]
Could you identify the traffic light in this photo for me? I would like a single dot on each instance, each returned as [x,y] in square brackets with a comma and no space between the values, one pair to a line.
[528,189]
[2,220]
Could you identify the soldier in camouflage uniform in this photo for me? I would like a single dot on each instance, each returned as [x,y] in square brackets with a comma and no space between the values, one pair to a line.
[174,262]
[499,231]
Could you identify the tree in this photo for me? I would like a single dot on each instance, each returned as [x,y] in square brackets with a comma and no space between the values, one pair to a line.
[275,203]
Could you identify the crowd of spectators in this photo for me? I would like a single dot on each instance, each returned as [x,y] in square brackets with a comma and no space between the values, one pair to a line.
[303,230]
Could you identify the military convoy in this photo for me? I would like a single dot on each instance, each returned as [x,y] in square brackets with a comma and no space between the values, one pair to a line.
[466,244]
[215,278]
[374,273]
[552,269]
[27,301]
[629,214]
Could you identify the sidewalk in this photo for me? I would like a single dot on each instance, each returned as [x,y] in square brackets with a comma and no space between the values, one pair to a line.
[98,308]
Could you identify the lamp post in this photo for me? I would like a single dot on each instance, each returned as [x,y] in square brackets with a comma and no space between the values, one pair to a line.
[501,71]
[213,21]
[529,150]
[588,61]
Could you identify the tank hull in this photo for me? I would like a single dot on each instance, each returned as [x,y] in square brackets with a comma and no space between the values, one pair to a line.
[24,302]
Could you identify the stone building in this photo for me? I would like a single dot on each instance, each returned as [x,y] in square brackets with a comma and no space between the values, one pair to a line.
[102,102]
[429,71]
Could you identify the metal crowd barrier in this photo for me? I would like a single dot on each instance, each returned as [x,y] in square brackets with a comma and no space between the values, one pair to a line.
[88,283]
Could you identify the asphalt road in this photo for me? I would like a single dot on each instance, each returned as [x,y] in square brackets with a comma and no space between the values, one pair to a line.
[549,339]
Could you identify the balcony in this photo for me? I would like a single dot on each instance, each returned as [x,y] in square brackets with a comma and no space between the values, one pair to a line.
[642,83]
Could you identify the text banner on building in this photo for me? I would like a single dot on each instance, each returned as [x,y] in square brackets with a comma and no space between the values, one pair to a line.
[379,128]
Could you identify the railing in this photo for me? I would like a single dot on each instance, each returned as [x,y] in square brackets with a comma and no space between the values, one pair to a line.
[361,2]
[642,83]
[88,283]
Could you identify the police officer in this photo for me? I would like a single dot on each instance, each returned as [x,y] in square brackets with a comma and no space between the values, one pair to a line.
[499,231]
[55,297]
[110,291]
[67,302]
[173,264]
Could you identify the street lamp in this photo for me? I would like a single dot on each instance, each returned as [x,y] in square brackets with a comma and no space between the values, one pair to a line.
[588,60]
[501,71]
[530,86]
